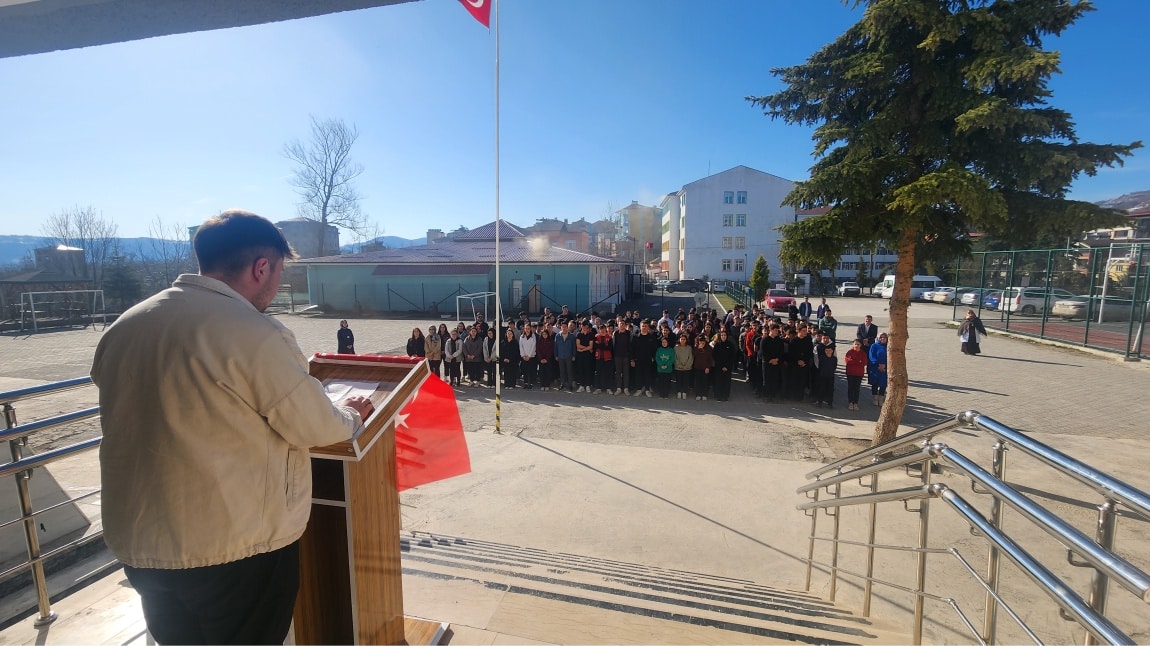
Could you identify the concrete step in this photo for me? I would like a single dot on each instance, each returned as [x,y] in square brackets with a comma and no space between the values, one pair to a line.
[554,597]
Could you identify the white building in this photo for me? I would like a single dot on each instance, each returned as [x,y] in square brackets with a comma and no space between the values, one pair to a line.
[718,226]
[876,260]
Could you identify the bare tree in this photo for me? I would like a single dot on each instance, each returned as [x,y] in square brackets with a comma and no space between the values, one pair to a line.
[324,178]
[84,228]
[171,254]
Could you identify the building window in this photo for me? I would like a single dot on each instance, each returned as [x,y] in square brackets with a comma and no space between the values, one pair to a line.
[740,242]
[726,242]
[726,264]
[728,197]
[739,264]
[570,244]
[728,219]
[742,197]
[741,220]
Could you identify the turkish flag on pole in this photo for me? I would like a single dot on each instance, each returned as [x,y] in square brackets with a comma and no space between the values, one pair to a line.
[480,10]
[429,440]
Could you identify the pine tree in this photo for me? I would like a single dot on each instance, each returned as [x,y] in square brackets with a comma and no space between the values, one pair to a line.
[932,120]
[760,278]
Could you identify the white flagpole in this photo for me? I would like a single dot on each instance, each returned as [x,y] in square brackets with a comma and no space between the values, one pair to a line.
[498,288]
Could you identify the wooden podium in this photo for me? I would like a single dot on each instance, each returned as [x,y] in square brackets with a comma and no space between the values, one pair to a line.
[350,574]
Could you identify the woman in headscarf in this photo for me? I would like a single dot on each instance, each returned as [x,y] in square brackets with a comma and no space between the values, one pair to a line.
[969,331]
[345,340]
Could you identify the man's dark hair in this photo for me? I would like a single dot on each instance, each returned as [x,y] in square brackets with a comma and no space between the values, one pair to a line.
[231,241]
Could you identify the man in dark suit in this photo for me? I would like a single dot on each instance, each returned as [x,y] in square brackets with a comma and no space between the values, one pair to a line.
[867,332]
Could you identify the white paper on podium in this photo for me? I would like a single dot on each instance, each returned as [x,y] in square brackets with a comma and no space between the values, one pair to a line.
[340,389]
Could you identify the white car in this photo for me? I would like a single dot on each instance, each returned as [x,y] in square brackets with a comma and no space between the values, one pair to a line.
[717,286]
[850,288]
[1032,300]
[944,295]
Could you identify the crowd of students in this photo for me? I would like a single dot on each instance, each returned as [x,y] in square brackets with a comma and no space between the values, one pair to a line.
[694,353]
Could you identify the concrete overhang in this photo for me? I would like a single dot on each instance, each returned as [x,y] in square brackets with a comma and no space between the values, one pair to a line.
[38,26]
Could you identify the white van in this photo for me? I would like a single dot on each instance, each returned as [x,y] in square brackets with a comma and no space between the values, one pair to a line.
[919,285]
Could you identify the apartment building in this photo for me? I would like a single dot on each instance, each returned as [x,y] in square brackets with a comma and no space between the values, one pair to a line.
[719,225]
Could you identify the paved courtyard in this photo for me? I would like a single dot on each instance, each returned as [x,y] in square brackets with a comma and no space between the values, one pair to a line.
[694,486]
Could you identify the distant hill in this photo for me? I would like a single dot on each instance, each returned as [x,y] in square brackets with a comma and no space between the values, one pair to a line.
[14,249]
[1138,200]
[390,242]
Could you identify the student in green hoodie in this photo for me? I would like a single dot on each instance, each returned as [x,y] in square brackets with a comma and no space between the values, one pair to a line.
[664,364]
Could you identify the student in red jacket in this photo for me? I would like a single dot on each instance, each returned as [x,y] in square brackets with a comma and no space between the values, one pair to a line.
[856,362]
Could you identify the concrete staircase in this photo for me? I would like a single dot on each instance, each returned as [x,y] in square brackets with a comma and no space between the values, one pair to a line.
[499,593]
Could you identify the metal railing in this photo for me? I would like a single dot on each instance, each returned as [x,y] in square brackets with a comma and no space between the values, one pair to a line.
[1110,283]
[22,467]
[1095,552]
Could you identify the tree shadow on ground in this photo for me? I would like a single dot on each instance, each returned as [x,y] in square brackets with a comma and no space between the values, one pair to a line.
[930,385]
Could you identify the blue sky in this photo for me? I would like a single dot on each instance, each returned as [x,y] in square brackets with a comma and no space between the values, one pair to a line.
[602,102]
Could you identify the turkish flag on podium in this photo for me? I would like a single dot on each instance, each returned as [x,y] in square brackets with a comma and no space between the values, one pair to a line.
[429,440]
[480,10]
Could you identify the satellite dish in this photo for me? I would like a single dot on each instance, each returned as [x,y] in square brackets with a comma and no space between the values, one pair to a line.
[701,299]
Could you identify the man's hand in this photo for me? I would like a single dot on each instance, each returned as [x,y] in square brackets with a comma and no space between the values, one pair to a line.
[362,405]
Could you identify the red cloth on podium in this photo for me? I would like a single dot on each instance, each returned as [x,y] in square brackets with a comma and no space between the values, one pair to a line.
[429,440]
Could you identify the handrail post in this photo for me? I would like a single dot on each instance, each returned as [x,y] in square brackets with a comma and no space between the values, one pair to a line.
[993,558]
[923,527]
[811,541]
[868,585]
[1099,582]
[16,446]
[835,544]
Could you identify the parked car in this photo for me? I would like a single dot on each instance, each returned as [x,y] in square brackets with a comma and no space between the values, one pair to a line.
[691,285]
[718,286]
[972,295]
[778,300]
[850,288]
[1081,307]
[1032,300]
[992,300]
[944,295]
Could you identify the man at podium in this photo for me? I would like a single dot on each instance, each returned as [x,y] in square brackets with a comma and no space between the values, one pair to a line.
[208,410]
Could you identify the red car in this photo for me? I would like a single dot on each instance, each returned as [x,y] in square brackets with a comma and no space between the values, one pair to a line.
[779,300]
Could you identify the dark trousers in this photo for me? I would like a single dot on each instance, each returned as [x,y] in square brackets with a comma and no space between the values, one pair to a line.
[604,375]
[854,384]
[644,375]
[510,370]
[682,380]
[546,372]
[722,385]
[584,369]
[249,601]
[663,384]
[772,379]
[434,365]
[489,373]
[451,369]
[702,383]
[826,389]
[566,373]
[798,378]
[528,368]
[623,373]
[754,373]
[473,370]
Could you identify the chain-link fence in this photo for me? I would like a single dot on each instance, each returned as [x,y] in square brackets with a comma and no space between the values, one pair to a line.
[1090,296]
